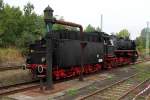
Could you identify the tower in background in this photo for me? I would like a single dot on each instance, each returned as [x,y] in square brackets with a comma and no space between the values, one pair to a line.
[147,39]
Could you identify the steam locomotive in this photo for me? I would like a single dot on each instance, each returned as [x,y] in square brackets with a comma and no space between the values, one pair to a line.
[69,50]
[101,51]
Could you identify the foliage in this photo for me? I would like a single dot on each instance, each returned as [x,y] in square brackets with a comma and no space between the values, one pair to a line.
[98,29]
[140,43]
[58,27]
[9,55]
[28,9]
[123,33]
[89,28]
[19,27]
[1,5]
[72,92]
[145,32]
[10,26]
[62,27]
[141,40]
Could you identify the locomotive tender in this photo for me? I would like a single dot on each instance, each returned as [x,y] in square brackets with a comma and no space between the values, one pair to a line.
[100,51]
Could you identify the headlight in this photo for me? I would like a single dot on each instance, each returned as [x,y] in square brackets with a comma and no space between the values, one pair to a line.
[31,51]
[97,55]
[43,59]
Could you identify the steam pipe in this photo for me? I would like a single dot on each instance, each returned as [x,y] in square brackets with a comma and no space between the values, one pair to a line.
[70,24]
[54,21]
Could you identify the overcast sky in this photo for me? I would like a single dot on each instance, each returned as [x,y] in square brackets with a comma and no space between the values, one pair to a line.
[117,14]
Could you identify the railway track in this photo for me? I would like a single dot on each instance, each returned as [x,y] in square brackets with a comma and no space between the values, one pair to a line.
[17,88]
[142,93]
[137,91]
[148,97]
[10,68]
[26,86]
[118,90]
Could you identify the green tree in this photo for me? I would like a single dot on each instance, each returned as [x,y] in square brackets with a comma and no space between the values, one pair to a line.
[98,29]
[28,9]
[141,40]
[89,28]
[58,26]
[140,43]
[10,25]
[1,15]
[144,32]
[33,26]
[123,33]
[1,5]
[17,27]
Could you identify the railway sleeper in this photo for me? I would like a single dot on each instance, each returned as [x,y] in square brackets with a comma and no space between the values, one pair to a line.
[102,97]
[113,93]
[124,86]
[118,89]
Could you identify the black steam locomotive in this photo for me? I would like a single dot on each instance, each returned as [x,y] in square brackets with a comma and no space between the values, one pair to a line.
[71,49]
[101,51]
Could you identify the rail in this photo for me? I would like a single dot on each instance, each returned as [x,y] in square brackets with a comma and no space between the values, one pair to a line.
[2,68]
[107,87]
[134,88]
[17,88]
[117,91]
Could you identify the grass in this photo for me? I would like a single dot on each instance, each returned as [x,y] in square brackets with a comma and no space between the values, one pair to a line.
[11,77]
[142,67]
[144,76]
[72,92]
[6,98]
[144,70]
[92,87]
[10,55]
[110,77]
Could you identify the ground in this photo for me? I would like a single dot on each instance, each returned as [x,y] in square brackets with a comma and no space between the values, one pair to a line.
[73,89]
[16,76]
[11,57]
